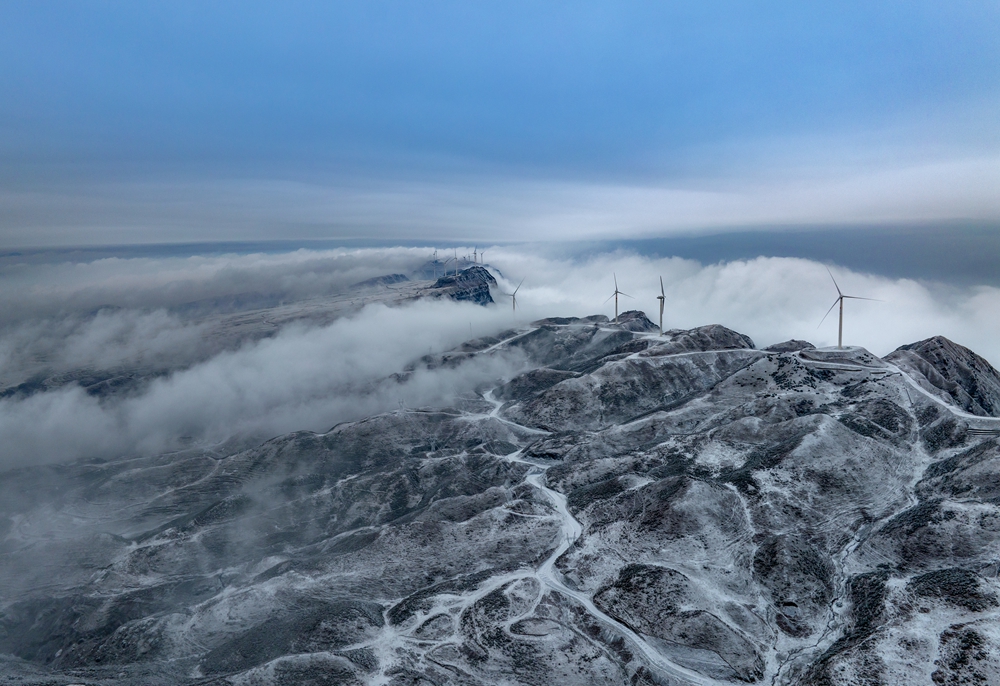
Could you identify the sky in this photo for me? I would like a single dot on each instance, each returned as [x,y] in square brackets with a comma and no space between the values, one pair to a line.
[163,162]
[162,122]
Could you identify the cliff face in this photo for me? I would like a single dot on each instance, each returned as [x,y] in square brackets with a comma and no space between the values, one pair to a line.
[636,509]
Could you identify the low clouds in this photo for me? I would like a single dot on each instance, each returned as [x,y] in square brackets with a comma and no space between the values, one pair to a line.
[160,314]
[770,299]
[763,190]
[201,283]
[305,377]
[160,319]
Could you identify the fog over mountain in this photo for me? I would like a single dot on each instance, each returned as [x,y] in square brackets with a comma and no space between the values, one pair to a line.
[147,354]
[270,414]
[351,468]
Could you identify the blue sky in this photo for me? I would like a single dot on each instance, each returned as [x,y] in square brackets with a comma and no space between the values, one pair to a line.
[124,121]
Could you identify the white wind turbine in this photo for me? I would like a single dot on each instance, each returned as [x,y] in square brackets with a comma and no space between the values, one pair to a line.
[662,298]
[513,296]
[444,265]
[615,296]
[840,300]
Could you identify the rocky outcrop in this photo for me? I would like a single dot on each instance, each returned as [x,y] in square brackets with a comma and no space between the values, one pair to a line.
[634,320]
[701,339]
[790,346]
[472,285]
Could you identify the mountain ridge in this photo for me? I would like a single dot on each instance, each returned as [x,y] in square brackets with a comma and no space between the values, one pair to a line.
[629,509]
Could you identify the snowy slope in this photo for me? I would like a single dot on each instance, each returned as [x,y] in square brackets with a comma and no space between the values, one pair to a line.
[637,509]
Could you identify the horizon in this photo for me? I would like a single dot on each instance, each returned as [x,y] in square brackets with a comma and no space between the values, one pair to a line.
[180,122]
[248,435]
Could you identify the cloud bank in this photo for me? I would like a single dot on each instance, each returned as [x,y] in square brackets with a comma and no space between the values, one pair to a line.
[481,206]
[771,299]
[126,314]
[305,377]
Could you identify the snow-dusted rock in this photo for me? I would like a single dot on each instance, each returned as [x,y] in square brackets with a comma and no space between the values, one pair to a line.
[633,509]
[953,371]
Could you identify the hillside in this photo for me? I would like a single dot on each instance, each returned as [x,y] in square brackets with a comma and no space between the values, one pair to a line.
[634,509]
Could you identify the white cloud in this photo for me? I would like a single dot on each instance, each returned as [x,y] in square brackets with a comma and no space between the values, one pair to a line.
[311,377]
[31,290]
[770,299]
[303,378]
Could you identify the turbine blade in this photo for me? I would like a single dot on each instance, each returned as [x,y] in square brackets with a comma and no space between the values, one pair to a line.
[661,288]
[616,280]
[610,296]
[858,297]
[519,285]
[834,281]
[626,295]
[829,311]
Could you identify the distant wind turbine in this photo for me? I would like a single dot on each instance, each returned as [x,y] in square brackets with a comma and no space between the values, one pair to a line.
[513,296]
[662,298]
[840,300]
[615,296]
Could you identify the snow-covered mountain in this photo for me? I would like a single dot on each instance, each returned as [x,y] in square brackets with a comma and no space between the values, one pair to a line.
[634,508]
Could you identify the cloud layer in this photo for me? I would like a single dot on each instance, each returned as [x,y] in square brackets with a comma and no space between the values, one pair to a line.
[770,299]
[159,315]
[482,206]
[303,378]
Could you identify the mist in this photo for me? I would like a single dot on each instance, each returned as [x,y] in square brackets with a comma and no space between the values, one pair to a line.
[304,378]
[771,299]
[164,315]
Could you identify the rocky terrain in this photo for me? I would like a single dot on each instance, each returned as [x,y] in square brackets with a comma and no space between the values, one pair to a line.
[632,509]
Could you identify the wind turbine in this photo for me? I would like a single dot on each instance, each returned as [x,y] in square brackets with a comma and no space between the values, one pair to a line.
[475,255]
[662,298]
[840,301]
[513,296]
[615,296]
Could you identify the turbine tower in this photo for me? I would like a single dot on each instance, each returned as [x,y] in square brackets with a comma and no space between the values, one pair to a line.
[840,301]
[444,265]
[615,296]
[513,296]
[662,298]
